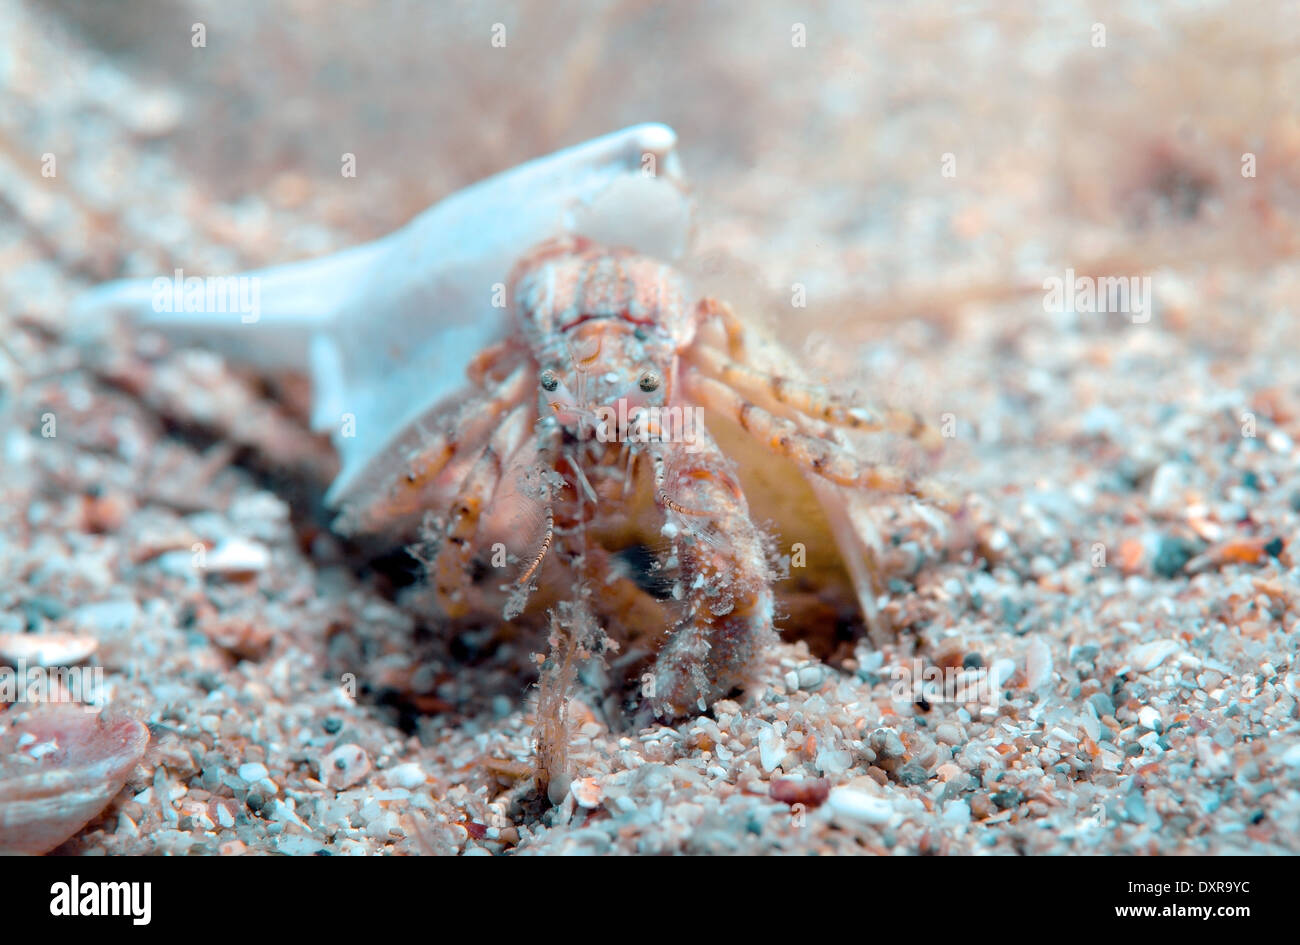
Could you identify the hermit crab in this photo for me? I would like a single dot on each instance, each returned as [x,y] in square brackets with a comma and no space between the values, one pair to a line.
[522,384]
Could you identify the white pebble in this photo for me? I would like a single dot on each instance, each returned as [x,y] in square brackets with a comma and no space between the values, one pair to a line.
[1089,722]
[409,775]
[1167,487]
[345,766]
[956,813]
[252,771]
[859,806]
[811,678]
[1148,718]
[771,749]
[1147,656]
[1038,664]
[237,556]
[830,761]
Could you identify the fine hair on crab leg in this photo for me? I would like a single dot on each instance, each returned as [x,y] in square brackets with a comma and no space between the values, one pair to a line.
[827,458]
[546,546]
[451,565]
[810,400]
[726,586]
[545,459]
[483,369]
[661,491]
[398,484]
[711,309]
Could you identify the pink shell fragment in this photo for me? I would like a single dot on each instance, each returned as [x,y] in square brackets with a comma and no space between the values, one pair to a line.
[60,765]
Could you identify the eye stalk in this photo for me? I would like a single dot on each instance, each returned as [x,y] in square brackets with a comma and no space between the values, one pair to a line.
[549,381]
[649,382]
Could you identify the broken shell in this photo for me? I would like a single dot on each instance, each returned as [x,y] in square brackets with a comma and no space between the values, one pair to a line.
[386,329]
[46,649]
[587,792]
[1147,656]
[60,765]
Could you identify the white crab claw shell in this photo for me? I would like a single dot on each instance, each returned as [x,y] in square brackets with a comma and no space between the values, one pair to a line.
[386,329]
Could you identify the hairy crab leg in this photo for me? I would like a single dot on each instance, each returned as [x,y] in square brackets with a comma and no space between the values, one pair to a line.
[546,546]
[711,309]
[726,583]
[451,566]
[811,400]
[545,458]
[399,490]
[483,369]
[661,492]
[826,458]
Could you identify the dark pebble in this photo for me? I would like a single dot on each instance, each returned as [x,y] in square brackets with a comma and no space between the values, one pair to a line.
[332,725]
[1005,800]
[208,682]
[1103,703]
[912,773]
[1135,809]
[1086,653]
[972,661]
[47,607]
[1171,555]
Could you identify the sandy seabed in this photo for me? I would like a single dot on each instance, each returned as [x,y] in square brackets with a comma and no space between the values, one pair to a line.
[1126,562]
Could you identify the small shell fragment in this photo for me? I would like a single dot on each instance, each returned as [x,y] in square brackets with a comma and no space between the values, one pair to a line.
[237,556]
[1147,656]
[851,804]
[587,792]
[46,649]
[60,765]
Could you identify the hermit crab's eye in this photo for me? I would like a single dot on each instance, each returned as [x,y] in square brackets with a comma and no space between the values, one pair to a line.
[549,381]
[649,382]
